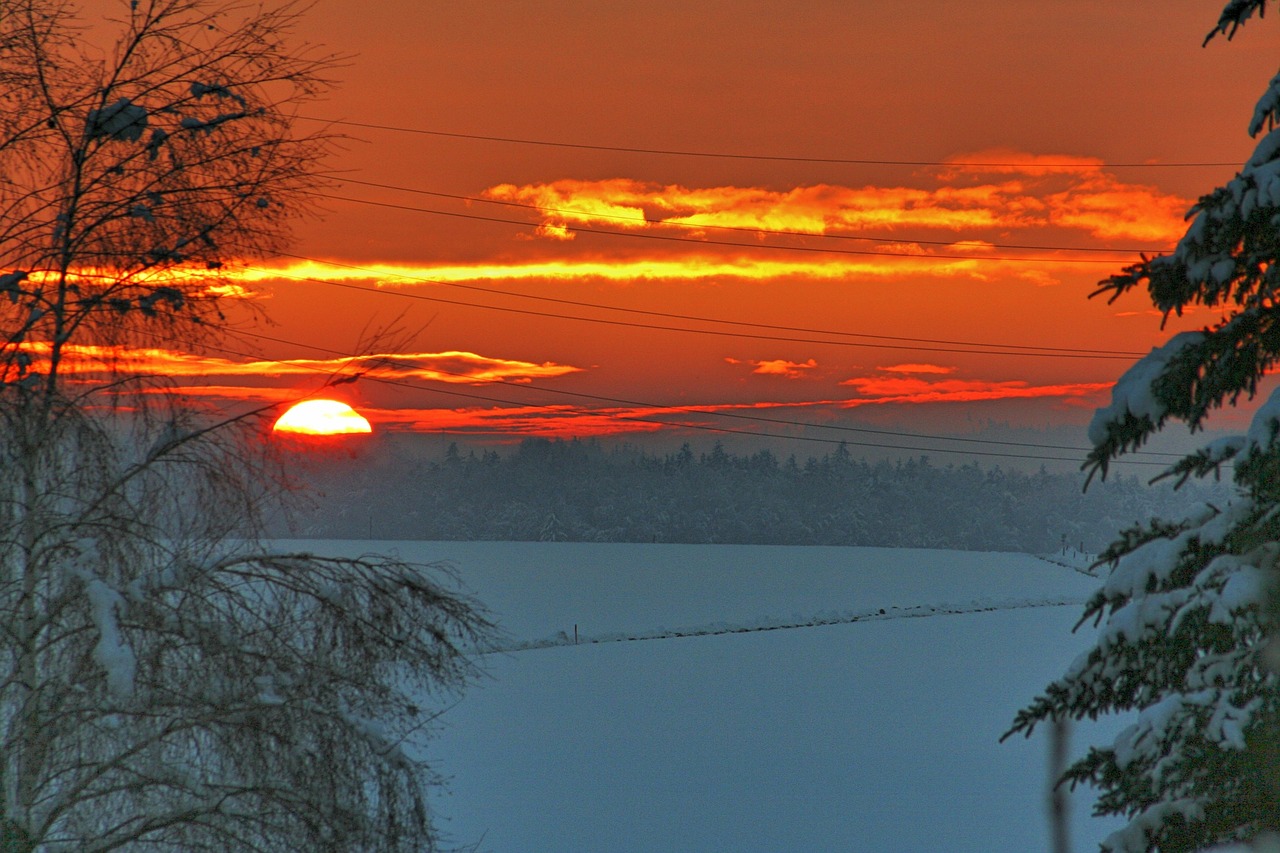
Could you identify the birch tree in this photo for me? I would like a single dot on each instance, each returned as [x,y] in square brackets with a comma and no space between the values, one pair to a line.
[166,681]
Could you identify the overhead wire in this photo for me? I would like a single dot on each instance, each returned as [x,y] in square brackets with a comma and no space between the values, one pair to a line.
[959,348]
[689,409]
[702,242]
[738,415]
[693,317]
[670,238]
[725,155]
[1061,352]
[770,232]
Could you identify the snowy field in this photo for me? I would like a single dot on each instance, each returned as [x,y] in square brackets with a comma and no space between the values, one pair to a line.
[792,715]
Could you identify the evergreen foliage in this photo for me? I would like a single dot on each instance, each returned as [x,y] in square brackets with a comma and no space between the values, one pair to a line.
[587,492]
[1187,615]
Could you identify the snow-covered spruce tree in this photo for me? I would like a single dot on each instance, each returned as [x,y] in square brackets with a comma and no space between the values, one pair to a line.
[166,683]
[1187,617]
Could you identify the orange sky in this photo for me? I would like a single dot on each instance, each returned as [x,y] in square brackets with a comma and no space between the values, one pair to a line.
[919,298]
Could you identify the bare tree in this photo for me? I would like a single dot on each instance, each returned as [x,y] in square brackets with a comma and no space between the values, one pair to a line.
[165,681]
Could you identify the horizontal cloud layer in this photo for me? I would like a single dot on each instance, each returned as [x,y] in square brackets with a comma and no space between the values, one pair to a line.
[778,367]
[566,420]
[1023,192]
[455,367]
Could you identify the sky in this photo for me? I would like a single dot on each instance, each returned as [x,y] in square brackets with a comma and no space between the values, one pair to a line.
[920,199]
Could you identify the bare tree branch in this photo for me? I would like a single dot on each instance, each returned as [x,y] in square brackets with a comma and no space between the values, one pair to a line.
[166,680]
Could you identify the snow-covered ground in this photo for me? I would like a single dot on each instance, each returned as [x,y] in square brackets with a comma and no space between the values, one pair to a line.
[792,715]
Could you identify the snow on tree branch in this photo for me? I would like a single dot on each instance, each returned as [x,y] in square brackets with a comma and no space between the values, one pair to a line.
[166,681]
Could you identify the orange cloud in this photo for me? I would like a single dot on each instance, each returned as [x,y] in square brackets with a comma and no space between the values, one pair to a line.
[893,389]
[237,393]
[975,246]
[1009,161]
[1033,192]
[817,209]
[618,201]
[223,282]
[530,421]
[450,367]
[917,368]
[554,231]
[1110,210]
[782,367]
[892,262]
[566,421]
[778,367]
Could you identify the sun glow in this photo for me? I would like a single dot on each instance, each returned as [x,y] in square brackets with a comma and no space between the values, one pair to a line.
[322,417]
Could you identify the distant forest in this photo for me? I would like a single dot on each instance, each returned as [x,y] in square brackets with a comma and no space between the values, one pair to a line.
[571,491]
[582,491]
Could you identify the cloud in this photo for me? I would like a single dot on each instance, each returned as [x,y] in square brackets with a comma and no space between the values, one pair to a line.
[236,393]
[517,421]
[917,368]
[893,262]
[699,265]
[893,389]
[1010,161]
[220,282]
[455,367]
[944,224]
[1110,210]
[813,209]
[1024,191]
[554,231]
[778,367]
[973,246]
[565,421]
[618,201]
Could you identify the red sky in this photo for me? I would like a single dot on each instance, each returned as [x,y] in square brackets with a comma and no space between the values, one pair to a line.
[917,298]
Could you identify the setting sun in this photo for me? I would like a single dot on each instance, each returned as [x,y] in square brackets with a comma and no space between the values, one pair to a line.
[322,417]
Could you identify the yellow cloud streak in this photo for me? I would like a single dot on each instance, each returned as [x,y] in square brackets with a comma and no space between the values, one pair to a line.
[1028,192]
[457,367]
[913,262]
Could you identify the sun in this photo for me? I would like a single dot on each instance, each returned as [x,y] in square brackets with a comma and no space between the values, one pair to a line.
[322,417]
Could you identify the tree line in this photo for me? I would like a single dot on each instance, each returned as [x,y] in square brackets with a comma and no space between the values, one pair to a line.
[585,491]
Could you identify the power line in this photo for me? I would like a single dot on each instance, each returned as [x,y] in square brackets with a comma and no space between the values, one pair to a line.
[856,161]
[1037,352]
[699,242]
[704,319]
[738,415]
[757,231]
[417,386]
[702,411]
